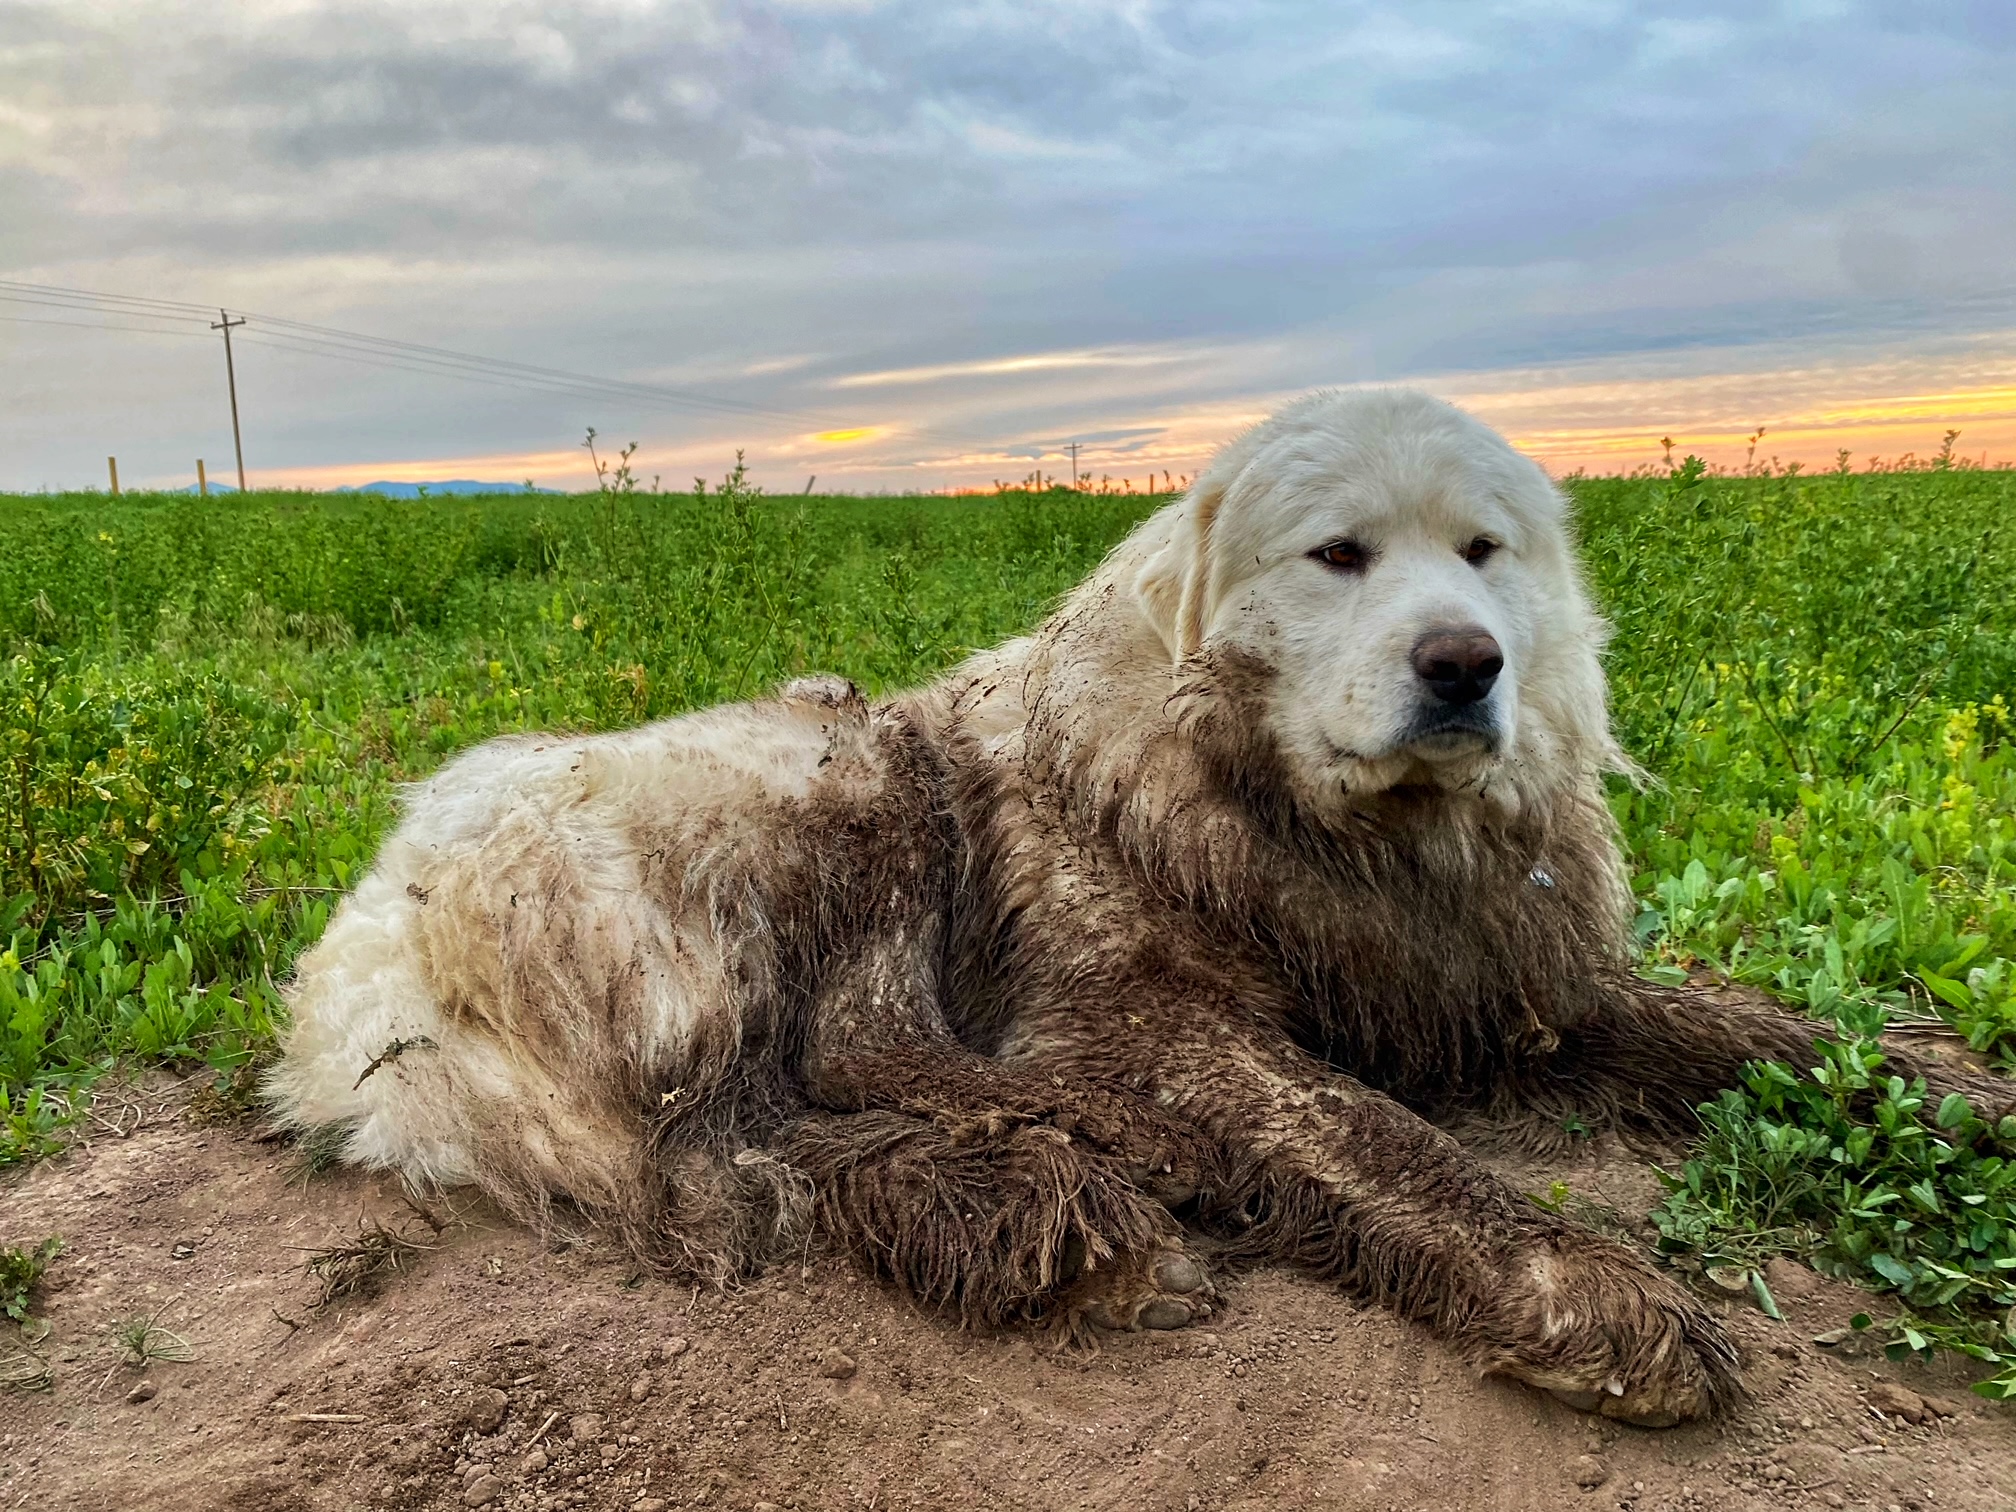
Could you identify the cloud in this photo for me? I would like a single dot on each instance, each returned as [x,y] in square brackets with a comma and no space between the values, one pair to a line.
[994,367]
[1004,220]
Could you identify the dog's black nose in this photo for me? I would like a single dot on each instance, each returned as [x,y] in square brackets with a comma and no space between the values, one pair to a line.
[1459,664]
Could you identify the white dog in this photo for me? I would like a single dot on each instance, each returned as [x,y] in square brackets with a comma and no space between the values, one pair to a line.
[1188,912]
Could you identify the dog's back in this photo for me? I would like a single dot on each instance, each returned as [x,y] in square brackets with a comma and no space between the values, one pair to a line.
[557,947]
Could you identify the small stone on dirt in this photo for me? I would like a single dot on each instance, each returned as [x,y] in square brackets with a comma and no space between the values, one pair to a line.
[640,1388]
[649,1504]
[1588,1472]
[836,1365]
[486,1409]
[586,1427]
[1939,1405]
[534,1462]
[144,1392]
[1892,1400]
[671,1349]
[482,1491]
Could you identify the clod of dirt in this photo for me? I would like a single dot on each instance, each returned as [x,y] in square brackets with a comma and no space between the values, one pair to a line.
[1892,1400]
[1789,1280]
[836,1365]
[1588,1472]
[640,1389]
[144,1392]
[653,1504]
[1939,1405]
[482,1491]
[667,1351]
[534,1462]
[486,1409]
[586,1427]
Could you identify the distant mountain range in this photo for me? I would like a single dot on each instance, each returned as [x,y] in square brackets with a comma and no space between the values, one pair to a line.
[452,486]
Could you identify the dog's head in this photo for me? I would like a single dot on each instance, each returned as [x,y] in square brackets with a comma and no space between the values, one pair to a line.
[1408,583]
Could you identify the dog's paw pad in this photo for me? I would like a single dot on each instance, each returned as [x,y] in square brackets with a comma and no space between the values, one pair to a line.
[1163,1290]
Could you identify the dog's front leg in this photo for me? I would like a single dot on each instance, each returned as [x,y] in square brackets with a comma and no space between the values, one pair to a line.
[1350,1183]
[1650,1055]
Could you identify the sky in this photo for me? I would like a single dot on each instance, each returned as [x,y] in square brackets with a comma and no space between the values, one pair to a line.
[930,243]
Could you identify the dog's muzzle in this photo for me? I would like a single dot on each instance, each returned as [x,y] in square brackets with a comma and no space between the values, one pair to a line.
[1442,731]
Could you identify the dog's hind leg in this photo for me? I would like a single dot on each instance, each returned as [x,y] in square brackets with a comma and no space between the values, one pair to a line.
[998,1222]
[1001,1190]
[1650,1055]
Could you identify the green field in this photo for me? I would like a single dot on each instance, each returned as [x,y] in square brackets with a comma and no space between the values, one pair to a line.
[207,704]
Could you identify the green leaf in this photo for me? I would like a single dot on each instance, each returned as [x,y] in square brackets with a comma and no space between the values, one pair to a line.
[1891,1269]
[1949,991]
[1765,1300]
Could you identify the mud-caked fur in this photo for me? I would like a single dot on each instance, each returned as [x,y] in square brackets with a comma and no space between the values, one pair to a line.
[1195,907]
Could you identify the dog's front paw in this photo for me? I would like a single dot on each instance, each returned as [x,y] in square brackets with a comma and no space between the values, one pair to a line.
[1587,1320]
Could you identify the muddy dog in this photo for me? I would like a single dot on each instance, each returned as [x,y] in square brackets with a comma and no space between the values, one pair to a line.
[1278,846]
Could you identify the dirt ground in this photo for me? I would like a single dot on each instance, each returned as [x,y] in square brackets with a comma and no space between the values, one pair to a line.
[495,1371]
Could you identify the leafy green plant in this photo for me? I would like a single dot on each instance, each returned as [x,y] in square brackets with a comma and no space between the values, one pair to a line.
[21,1272]
[1850,1169]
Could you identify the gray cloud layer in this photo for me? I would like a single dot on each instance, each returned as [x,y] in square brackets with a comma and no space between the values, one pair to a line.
[1323,191]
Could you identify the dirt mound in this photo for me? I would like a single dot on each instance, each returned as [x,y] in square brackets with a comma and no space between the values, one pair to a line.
[490,1371]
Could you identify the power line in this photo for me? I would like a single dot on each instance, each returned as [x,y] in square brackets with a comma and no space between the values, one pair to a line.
[96,325]
[329,342]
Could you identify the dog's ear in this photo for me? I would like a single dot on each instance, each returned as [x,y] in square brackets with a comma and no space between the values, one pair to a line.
[1174,584]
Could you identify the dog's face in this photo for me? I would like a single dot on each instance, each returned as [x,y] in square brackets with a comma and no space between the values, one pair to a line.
[1406,579]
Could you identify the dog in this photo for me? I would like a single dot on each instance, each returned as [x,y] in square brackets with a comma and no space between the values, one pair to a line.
[1202,909]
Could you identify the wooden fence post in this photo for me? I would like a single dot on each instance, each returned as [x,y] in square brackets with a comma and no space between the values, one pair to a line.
[202,482]
[113,464]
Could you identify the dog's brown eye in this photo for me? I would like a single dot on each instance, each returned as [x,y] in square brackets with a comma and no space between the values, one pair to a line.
[1345,556]
[1479,549]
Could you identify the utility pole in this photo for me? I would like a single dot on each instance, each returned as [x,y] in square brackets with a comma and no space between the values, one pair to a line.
[1074,464]
[224,323]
